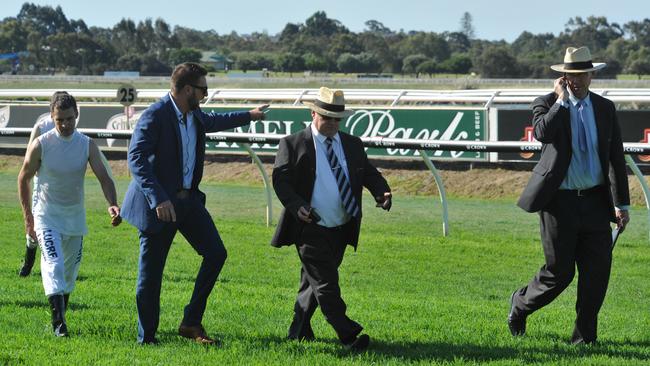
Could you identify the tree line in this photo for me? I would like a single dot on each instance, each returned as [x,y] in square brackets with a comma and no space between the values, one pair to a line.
[47,42]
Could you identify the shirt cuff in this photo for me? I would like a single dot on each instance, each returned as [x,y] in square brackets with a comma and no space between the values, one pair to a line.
[562,103]
[623,207]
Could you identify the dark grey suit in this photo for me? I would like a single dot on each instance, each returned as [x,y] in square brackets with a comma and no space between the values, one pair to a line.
[320,249]
[574,228]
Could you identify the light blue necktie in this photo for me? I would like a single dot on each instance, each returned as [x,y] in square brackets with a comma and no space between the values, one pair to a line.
[582,129]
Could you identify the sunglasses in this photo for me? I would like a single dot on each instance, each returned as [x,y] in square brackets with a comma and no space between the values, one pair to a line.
[204,89]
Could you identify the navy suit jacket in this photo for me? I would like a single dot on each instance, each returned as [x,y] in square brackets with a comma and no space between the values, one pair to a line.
[155,159]
[552,127]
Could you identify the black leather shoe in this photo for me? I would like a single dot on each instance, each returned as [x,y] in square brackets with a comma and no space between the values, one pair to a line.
[359,344]
[28,264]
[516,324]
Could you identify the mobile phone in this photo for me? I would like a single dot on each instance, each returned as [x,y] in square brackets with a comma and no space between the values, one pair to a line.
[565,83]
[313,215]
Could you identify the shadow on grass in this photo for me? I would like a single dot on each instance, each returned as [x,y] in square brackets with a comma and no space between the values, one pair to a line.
[31,304]
[450,352]
[480,353]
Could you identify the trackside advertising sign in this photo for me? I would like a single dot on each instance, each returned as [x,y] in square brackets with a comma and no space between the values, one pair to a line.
[454,124]
[516,125]
[422,124]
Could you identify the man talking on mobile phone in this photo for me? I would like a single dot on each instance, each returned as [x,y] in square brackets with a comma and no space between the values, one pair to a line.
[578,186]
[318,176]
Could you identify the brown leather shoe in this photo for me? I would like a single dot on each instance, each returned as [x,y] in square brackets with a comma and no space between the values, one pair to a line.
[197,333]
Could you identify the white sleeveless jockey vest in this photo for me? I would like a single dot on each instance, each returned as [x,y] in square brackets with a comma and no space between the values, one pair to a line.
[43,126]
[58,199]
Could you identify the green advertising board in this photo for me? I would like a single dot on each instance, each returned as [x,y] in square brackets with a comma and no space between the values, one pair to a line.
[460,124]
[454,124]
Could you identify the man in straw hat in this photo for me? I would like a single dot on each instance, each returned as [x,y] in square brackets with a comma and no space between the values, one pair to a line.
[318,176]
[578,187]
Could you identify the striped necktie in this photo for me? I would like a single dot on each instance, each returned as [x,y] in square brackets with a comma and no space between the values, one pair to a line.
[347,198]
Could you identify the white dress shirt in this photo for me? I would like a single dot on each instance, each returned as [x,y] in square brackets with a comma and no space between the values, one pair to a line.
[188,144]
[326,198]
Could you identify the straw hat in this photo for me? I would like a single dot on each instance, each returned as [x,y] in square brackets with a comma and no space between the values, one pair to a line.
[578,60]
[330,103]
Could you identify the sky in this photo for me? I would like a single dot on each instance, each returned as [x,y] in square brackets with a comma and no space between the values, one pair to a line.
[492,20]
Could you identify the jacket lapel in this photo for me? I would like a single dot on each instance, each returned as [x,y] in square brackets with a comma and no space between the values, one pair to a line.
[308,140]
[173,119]
[200,148]
[601,128]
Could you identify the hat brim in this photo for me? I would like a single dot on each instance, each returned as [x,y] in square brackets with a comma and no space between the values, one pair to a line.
[597,66]
[325,112]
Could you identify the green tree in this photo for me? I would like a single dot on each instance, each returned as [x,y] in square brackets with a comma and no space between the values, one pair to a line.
[456,64]
[639,32]
[639,62]
[46,20]
[344,43]
[429,67]
[497,62]
[129,62]
[289,32]
[528,43]
[13,37]
[458,42]
[411,63]
[321,26]
[466,26]
[314,62]
[431,45]
[378,28]
[180,55]
[348,63]
[290,62]
[594,32]
[369,62]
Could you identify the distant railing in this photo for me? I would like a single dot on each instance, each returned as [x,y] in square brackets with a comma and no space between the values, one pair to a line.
[392,97]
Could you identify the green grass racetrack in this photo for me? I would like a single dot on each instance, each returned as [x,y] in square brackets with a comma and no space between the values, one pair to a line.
[423,298]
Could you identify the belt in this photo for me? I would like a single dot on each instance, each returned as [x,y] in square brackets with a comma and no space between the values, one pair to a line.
[583,192]
[335,228]
[182,194]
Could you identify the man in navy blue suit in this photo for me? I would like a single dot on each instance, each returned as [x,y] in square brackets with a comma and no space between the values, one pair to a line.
[166,162]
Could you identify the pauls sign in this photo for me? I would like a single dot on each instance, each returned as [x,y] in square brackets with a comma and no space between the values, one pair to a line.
[421,124]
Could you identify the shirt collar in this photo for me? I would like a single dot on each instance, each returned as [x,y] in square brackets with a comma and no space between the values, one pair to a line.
[179,114]
[322,137]
[574,100]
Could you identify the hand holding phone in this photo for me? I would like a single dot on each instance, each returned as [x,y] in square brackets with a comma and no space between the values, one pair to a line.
[313,215]
[385,201]
[560,88]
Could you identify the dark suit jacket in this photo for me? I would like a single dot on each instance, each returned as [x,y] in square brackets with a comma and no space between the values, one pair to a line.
[155,159]
[294,175]
[552,127]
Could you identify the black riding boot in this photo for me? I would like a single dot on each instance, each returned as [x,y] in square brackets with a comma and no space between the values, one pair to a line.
[57,305]
[66,298]
[30,256]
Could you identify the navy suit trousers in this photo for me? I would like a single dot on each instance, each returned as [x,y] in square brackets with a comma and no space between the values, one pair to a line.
[196,225]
